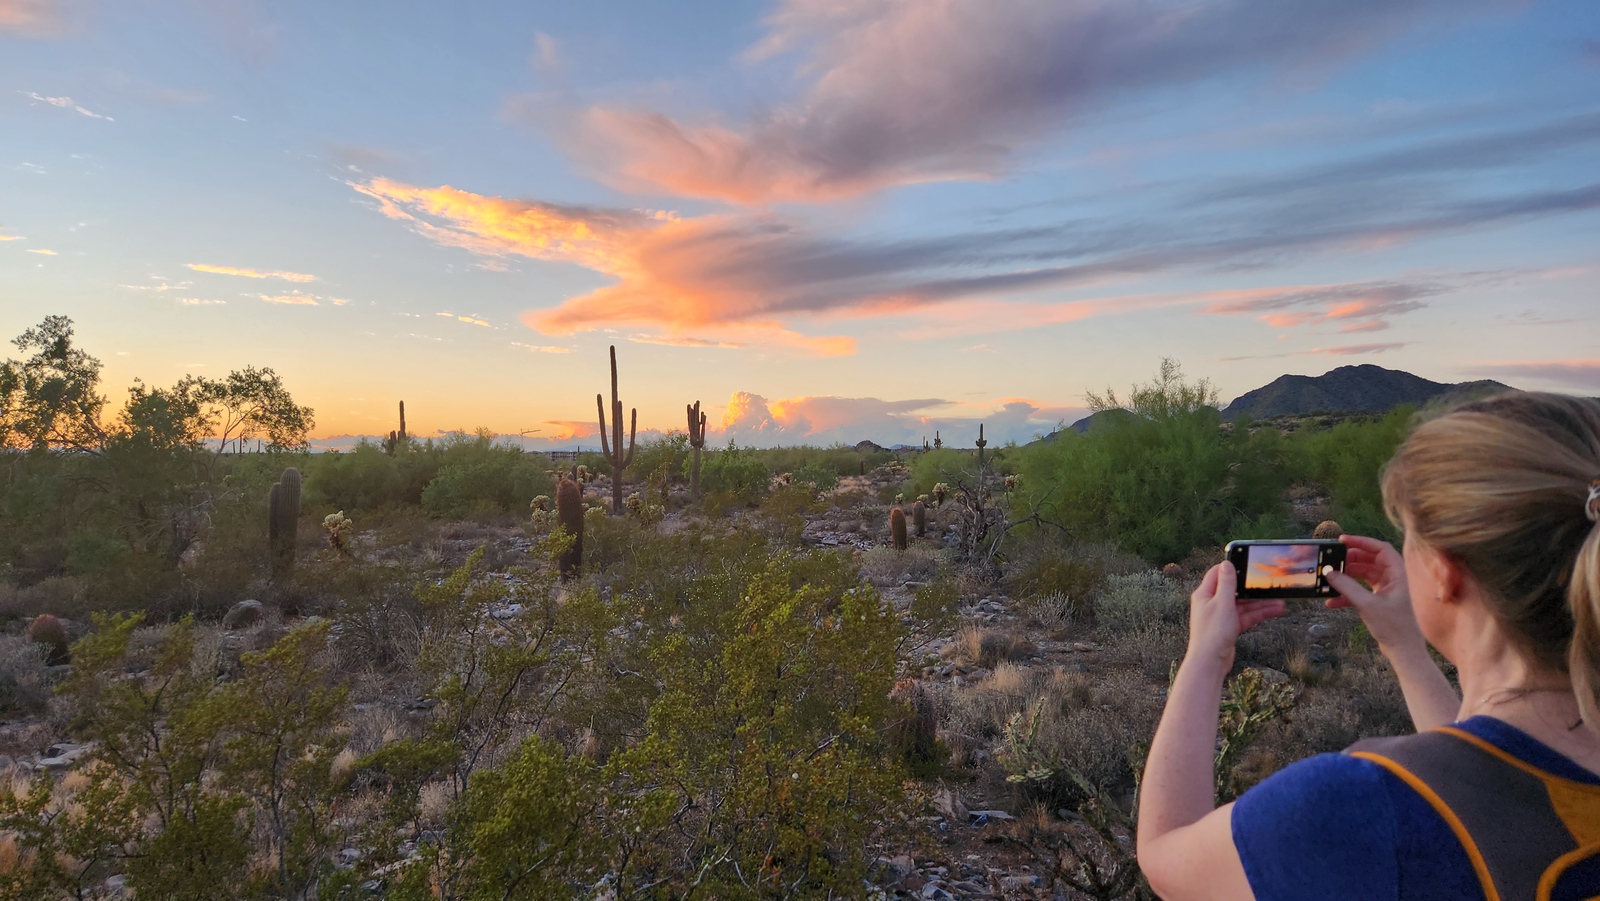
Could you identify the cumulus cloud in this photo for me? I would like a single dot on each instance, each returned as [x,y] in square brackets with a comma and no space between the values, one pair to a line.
[66,103]
[252,273]
[1581,374]
[898,92]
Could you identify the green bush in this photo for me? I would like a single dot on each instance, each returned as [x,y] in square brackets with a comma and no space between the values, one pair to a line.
[1347,461]
[735,472]
[479,478]
[1161,479]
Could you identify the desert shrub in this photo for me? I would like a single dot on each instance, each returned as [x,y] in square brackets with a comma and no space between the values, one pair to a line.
[1132,602]
[1074,579]
[1161,475]
[735,472]
[668,454]
[936,603]
[24,688]
[1347,459]
[487,480]
[841,460]
[819,477]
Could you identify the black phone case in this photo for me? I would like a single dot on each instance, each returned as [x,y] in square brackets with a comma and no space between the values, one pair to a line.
[1329,553]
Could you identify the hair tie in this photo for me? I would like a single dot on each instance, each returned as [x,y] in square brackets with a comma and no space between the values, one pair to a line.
[1592,507]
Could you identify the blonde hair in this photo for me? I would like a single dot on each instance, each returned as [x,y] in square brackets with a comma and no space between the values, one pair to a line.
[1502,487]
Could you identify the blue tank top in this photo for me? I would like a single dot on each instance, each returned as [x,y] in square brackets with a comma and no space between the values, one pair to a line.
[1335,827]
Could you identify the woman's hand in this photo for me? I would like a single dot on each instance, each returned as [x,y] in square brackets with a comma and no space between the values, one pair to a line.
[1216,618]
[1386,607]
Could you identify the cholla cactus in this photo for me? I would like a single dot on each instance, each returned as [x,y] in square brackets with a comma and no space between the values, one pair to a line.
[785,478]
[899,498]
[540,504]
[924,498]
[583,476]
[338,526]
[635,504]
[939,492]
[1011,482]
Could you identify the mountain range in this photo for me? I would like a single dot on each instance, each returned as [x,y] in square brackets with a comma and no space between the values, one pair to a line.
[1347,389]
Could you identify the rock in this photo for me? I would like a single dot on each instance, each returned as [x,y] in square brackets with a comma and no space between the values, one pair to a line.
[1319,630]
[1275,677]
[949,805]
[991,814]
[914,882]
[421,705]
[242,615]
[934,892]
[1327,529]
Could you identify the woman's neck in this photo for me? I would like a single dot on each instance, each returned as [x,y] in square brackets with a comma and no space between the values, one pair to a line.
[1498,679]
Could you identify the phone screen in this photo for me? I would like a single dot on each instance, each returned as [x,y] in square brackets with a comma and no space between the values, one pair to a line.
[1285,569]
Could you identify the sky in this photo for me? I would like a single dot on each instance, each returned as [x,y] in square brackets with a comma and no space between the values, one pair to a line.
[826,220]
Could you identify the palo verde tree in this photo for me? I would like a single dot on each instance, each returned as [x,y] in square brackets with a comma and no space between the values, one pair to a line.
[145,478]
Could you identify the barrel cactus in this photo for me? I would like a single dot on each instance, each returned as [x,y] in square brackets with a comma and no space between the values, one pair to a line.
[569,512]
[51,633]
[897,528]
[919,518]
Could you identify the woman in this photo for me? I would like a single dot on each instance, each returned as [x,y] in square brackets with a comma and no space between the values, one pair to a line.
[1499,502]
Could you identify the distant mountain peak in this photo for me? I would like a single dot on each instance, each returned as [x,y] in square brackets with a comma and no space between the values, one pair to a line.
[1363,388]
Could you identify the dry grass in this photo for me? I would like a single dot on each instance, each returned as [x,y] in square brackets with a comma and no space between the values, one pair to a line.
[884,566]
[1136,601]
[988,648]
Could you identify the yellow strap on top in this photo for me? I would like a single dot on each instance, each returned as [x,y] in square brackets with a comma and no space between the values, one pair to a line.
[1490,893]
[1576,803]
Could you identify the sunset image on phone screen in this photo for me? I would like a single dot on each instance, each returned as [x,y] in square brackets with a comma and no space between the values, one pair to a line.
[1281,566]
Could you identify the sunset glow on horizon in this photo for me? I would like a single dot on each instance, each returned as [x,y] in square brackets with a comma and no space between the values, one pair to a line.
[827,221]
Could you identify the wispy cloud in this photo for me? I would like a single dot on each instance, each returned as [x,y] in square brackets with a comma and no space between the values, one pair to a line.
[293,298]
[43,251]
[29,17]
[199,302]
[898,93]
[252,273]
[670,341]
[10,237]
[470,320]
[1347,350]
[66,103]
[1353,307]
[1583,374]
[542,348]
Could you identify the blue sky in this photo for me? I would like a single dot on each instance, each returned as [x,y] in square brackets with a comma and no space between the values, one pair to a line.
[826,220]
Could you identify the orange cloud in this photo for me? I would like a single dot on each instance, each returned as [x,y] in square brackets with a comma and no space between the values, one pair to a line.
[40,250]
[542,348]
[294,298]
[28,16]
[252,273]
[10,237]
[673,273]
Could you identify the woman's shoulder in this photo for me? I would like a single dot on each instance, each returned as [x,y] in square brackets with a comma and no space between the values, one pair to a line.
[1323,827]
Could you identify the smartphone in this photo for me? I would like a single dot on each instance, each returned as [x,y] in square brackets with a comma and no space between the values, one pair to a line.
[1285,568]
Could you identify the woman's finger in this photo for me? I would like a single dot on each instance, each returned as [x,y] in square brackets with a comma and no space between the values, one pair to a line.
[1374,545]
[1208,585]
[1227,582]
[1349,589]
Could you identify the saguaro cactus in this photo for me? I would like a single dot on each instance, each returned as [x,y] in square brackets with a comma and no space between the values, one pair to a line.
[397,440]
[283,523]
[919,518]
[897,528]
[697,440]
[612,449]
[569,513]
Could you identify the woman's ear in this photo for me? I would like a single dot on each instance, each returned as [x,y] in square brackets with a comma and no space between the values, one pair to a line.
[1448,574]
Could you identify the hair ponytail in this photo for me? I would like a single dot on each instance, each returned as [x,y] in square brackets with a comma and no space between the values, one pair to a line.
[1504,487]
[1583,598]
